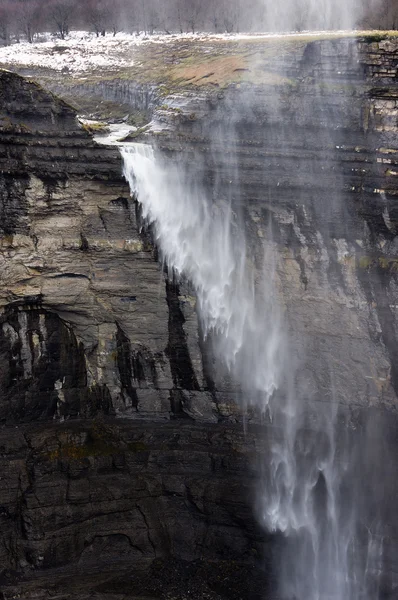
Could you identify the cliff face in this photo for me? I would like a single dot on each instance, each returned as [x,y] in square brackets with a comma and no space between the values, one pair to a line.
[91,334]
[313,160]
[70,239]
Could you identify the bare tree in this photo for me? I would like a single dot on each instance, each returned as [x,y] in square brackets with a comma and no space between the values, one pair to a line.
[30,17]
[193,14]
[213,13]
[96,15]
[33,16]
[61,13]
[153,14]
[114,17]
[391,14]
[127,16]
[179,15]
[7,20]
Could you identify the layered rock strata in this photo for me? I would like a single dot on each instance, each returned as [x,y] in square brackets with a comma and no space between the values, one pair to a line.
[311,164]
[91,333]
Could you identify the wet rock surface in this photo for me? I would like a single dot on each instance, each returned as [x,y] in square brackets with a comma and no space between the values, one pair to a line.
[103,500]
[121,447]
[171,579]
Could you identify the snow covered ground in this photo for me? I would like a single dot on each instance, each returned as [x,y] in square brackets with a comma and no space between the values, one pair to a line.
[83,52]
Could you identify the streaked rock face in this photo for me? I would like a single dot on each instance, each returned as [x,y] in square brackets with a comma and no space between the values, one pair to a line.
[313,160]
[76,262]
[89,328]
[70,238]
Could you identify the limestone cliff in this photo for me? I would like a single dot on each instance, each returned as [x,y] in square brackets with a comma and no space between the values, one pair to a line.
[92,334]
[90,331]
[314,160]
[70,240]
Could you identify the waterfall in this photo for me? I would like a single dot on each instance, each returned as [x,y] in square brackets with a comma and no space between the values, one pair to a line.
[305,494]
[199,242]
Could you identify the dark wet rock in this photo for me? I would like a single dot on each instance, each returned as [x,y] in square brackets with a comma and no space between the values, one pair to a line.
[107,496]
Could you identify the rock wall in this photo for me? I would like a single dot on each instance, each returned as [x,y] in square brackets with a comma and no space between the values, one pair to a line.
[103,496]
[119,443]
[311,164]
[89,331]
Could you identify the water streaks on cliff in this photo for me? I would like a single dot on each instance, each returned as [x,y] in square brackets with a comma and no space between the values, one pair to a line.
[309,486]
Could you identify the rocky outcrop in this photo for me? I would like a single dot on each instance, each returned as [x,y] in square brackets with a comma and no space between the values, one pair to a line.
[66,211]
[119,445]
[89,331]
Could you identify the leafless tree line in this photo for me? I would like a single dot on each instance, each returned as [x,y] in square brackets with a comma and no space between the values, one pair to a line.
[29,18]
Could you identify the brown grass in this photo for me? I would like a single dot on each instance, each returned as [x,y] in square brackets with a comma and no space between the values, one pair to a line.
[215,71]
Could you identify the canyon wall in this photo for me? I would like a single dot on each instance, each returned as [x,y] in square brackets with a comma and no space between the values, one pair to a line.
[120,443]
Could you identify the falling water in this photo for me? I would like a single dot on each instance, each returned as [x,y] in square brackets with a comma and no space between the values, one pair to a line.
[313,15]
[308,492]
[198,241]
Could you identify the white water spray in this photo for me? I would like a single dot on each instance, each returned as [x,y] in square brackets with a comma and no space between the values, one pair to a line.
[304,477]
[199,242]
